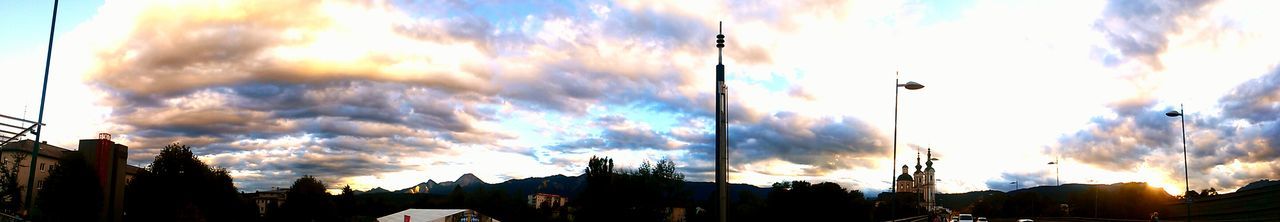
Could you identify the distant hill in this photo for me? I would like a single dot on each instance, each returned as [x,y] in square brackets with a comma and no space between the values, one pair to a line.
[374,190]
[1259,184]
[1057,193]
[466,180]
[956,201]
[703,190]
[568,186]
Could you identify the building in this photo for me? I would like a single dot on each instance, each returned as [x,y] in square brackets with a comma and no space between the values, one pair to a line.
[540,200]
[270,200]
[108,161]
[436,215]
[922,183]
[20,153]
[106,158]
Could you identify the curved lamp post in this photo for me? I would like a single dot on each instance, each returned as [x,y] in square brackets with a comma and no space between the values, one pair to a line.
[910,85]
[1186,178]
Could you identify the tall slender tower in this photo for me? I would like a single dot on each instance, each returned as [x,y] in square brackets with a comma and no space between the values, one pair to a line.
[722,139]
[930,184]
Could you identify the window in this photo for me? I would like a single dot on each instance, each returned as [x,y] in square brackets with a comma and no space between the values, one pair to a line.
[41,167]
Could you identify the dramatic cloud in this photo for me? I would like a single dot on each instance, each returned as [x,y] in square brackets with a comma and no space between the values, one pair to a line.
[343,89]
[1140,29]
[390,94]
[1225,151]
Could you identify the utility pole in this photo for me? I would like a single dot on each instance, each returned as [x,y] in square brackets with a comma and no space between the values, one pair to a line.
[722,141]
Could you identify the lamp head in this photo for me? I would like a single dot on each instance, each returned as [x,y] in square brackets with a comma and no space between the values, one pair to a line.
[1173,113]
[912,85]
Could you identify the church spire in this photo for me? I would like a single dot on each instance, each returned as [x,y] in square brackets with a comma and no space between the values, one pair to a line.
[918,167]
[930,160]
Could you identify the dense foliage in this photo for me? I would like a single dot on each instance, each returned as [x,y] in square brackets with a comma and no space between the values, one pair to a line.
[70,193]
[649,193]
[10,188]
[177,186]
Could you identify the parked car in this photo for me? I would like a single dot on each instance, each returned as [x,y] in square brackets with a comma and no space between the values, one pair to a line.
[966,218]
[1025,220]
[982,219]
[955,218]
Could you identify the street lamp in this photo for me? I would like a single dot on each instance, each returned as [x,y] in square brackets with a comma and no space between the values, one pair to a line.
[910,85]
[1186,178]
[1057,176]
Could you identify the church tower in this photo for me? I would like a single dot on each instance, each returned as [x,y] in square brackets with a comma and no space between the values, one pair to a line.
[904,183]
[928,188]
[918,176]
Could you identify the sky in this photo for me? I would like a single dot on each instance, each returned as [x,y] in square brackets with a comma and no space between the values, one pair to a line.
[393,93]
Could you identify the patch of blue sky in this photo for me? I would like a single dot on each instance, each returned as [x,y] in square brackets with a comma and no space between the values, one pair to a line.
[26,23]
[492,11]
[936,11]
[773,81]
[656,119]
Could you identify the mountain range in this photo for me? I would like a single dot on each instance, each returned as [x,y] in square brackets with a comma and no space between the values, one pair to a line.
[568,186]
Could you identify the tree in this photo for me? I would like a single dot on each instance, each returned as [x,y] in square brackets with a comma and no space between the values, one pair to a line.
[800,200]
[70,193]
[645,194]
[346,203]
[596,197]
[10,190]
[307,201]
[177,186]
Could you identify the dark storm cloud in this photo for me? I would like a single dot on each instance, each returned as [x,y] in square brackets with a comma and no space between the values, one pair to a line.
[1140,29]
[826,143]
[619,133]
[1257,100]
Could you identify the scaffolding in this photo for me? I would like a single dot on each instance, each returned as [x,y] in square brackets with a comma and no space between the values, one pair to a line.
[8,126]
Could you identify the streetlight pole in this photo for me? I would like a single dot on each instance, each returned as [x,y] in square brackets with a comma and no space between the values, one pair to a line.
[1186,175]
[1057,175]
[1095,198]
[893,190]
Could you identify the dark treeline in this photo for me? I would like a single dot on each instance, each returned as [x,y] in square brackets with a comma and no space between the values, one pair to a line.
[1118,201]
[650,193]
[802,201]
[177,186]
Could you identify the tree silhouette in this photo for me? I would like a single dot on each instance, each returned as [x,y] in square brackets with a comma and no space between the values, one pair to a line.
[177,186]
[70,193]
[803,201]
[307,201]
[10,190]
[646,194]
[346,203]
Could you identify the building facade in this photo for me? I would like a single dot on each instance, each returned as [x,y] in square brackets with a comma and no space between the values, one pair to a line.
[20,153]
[105,158]
[268,201]
[921,182]
[540,200]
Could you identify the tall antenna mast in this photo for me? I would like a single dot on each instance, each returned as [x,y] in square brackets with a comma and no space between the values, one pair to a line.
[722,141]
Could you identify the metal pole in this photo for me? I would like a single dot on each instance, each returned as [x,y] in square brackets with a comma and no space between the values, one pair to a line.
[893,186]
[722,141]
[1186,175]
[44,88]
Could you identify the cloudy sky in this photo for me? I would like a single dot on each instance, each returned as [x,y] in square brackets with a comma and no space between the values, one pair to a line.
[392,93]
